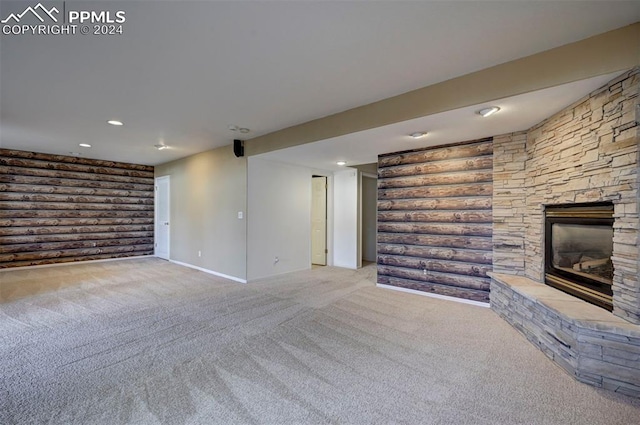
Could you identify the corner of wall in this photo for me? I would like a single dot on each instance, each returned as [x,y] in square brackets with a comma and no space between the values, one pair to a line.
[345,230]
[590,152]
[207,192]
[509,202]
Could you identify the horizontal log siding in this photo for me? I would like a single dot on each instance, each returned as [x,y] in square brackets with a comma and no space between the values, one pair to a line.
[435,220]
[57,209]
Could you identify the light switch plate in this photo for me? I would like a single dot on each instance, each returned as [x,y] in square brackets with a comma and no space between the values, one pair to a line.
[240,215]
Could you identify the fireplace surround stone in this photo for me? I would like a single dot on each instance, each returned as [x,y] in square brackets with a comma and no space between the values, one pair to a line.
[586,341]
[588,152]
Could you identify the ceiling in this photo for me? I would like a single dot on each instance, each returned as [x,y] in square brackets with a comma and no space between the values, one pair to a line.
[182,72]
[516,113]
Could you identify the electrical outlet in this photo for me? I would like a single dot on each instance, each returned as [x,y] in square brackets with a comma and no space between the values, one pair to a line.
[424,271]
[199,253]
[276,260]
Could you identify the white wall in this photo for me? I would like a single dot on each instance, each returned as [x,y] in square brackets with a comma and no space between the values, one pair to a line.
[345,220]
[207,191]
[278,218]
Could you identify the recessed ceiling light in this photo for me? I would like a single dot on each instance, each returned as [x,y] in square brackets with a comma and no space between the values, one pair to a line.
[115,122]
[244,130]
[74,153]
[488,111]
[418,135]
[161,147]
[85,145]
[341,163]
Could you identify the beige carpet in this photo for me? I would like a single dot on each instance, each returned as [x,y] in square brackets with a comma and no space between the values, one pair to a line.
[148,342]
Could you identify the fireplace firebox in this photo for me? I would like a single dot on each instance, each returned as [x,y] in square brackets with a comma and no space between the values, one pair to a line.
[578,249]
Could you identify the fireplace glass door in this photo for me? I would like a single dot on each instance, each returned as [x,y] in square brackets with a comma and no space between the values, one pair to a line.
[583,250]
[579,246]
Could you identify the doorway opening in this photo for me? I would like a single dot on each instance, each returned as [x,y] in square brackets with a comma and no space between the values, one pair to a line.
[319,221]
[369,212]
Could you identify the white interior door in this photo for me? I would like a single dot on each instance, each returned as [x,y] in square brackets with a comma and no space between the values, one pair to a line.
[319,221]
[162,217]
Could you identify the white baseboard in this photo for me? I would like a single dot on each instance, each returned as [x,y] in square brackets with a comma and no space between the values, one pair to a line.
[226,276]
[253,279]
[428,294]
[75,263]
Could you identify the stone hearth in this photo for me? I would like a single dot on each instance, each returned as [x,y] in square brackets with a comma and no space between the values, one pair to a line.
[588,342]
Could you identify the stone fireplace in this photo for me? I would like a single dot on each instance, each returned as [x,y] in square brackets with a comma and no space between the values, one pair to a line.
[586,154]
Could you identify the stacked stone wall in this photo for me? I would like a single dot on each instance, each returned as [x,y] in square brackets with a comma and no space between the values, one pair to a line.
[509,203]
[587,152]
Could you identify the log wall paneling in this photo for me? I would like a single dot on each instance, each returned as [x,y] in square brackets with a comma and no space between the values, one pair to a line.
[435,219]
[56,209]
